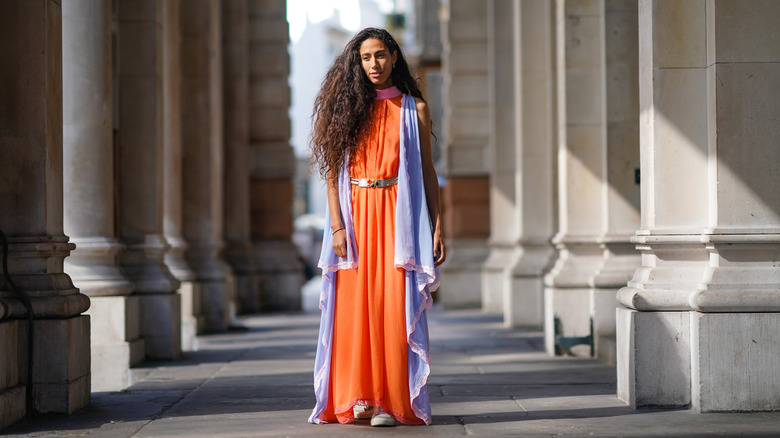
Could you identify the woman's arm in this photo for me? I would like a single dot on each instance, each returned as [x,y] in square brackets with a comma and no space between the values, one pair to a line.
[430,180]
[336,226]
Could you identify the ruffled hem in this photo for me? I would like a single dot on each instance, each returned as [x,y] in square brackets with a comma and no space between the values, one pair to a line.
[424,288]
[411,204]
[339,266]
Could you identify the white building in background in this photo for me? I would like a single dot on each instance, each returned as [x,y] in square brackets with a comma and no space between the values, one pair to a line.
[313,47]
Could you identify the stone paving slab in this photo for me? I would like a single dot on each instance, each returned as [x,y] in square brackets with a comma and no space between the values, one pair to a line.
[486,381]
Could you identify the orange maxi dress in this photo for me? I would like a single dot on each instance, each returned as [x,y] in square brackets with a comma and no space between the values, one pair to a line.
[370,350]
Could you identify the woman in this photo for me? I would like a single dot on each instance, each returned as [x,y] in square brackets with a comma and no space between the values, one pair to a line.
[371,140]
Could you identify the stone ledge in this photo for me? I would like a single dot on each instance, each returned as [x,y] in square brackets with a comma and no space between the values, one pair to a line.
[13,405]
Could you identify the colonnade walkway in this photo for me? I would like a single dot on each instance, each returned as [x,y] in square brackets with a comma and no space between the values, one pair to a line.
[486,381]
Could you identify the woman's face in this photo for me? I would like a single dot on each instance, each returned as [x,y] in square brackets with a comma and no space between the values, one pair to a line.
[377,62]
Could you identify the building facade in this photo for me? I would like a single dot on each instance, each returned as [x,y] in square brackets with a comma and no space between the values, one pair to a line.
[629,153]
[146,188]
[611,173]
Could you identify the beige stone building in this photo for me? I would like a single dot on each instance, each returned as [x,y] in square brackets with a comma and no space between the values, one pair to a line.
[145,186]
[611,176]
[622,155]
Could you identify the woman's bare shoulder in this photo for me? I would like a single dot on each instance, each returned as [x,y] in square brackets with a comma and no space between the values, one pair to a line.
[422,107]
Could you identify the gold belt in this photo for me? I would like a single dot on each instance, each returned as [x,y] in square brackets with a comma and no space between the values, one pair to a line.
[373,183]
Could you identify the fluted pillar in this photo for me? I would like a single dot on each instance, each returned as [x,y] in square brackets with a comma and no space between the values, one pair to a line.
[189,290]
[235,92]
[31,189]
[534,181]
[466,151]
[703,311]
[140,100]
[88,154]
[201,122]
[271,157]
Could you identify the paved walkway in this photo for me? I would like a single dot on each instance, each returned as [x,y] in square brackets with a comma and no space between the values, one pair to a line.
[486,381]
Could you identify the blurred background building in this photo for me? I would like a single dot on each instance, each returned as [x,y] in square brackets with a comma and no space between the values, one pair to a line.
[608,171]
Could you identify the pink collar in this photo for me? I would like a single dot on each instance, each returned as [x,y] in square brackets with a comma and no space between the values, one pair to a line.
[388,93]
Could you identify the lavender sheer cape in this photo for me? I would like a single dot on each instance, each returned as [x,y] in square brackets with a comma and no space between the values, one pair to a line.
[413,253]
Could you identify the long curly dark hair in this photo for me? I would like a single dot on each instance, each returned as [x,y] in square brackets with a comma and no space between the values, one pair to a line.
[344,106]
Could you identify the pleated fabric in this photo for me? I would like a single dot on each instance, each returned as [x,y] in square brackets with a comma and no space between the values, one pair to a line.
[373,341]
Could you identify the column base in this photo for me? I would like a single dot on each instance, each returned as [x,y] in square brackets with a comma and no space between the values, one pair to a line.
[524,302]
[13,405]
[494,273]
[174,259]
[214,284]
[111,364]
[239,256]
[574,309]
[569,291]
[93,269]
[524,290]
[603,303]
[116,342]
[61,364]
[653,358]
[247,293]
[192,322]
[571,308]
[461,283]
[216,302]
[143,264]
[280,267]
[734,361]
[161,325]
[13,395]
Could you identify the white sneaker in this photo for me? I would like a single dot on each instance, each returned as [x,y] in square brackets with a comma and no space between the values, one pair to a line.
[382,418]
[362,412]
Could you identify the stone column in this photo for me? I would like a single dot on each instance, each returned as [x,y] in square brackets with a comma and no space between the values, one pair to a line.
[13,405]
[235,92]
[31,188]
[271,157]
[201,123]
[140,80]
[503,202]
[534,178]
[622,184]
[88,154]
[703,311]
[599,194]
[189,290]
[582,168]
[466,151]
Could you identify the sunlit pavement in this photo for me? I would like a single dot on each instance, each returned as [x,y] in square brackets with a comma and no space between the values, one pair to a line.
[486,381]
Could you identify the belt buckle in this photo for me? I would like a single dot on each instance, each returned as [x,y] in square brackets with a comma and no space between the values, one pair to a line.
[372,183]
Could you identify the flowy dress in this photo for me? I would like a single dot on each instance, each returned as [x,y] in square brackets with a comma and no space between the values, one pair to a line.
[373,348]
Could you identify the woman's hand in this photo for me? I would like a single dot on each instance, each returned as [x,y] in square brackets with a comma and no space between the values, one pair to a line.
[439,251]
[340,243]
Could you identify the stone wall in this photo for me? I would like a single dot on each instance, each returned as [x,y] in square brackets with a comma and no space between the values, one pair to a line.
[31,219]
[655,122]
[116,152]
[466,153]
[272,162]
